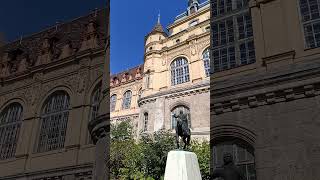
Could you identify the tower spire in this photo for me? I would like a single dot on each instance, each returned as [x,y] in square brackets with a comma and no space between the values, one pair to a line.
[159,17]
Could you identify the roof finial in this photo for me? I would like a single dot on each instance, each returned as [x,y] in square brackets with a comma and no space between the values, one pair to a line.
[95,12]
[56,26]
[159,17]
[20,42]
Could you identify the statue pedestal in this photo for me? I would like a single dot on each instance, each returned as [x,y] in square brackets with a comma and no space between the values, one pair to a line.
[182,165]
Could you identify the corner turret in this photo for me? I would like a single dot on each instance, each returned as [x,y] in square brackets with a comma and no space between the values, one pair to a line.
[155,36]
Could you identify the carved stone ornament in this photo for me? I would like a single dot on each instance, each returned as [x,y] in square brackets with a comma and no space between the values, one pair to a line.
[98,128]
[82,82]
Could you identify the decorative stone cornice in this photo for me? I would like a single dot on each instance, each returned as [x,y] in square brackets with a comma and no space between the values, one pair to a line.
[287,84]
[77,171]
[125,117]
[187,90]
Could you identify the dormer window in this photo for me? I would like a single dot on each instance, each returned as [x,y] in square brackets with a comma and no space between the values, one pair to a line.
[193,9]
[207,29]
[177,41]
[193,22]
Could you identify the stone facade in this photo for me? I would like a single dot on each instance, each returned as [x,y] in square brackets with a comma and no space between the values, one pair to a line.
[70,59]
[270,107]
[153,92]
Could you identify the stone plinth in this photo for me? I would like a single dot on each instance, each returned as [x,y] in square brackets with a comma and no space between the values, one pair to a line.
[182,165]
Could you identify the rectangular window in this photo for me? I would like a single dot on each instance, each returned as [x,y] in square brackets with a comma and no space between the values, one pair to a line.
[310,17]
[232,33]
[224,7]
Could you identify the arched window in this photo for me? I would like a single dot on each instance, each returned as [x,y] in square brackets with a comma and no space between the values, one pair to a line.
[206,61]
[10,122]
[126,103]
[145,121]
[95,100]
[179,71]
[176,111]
[113,102]
[242,156]
[54,120]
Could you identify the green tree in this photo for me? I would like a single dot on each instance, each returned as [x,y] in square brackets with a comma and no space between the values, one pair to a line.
[121,142]
[146,159]
[202,150]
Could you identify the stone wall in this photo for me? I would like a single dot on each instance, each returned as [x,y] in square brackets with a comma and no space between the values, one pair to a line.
[277,114]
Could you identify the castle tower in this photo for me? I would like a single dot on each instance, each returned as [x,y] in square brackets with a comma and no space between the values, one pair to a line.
[154,37]
[153,45]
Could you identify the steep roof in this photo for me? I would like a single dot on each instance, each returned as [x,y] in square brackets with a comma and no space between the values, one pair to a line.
[158,28]
[125,77]
[71,32]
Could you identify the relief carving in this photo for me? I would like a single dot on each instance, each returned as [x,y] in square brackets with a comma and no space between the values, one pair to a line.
[82,77]
[23,65]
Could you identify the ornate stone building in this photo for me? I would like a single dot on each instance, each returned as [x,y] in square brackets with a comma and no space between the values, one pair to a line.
[265,87]
[51,88]
[174,76]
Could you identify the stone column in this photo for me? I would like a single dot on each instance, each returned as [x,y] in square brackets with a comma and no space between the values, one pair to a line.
[99,128]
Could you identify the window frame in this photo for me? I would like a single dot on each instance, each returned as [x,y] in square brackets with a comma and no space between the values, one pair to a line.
[124,98]
[145,121]
[232,46]
[311,22]
[113,104]
[184,76]
[95,101]
[47,116]
[235,146]
[207,70]
[14,113]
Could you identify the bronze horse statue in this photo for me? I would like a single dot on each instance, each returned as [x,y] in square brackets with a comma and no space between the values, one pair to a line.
[182,130]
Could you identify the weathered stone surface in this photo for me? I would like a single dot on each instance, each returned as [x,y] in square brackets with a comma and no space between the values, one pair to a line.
[182,165]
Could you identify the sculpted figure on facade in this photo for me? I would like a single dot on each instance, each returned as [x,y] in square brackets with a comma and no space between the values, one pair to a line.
[5,70]
[22,65]
[229,171]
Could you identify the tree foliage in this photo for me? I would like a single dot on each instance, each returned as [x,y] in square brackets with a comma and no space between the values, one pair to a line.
[145,159]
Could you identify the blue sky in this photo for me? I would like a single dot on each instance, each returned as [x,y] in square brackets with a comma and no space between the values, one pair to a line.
[25,17]
[131,21]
